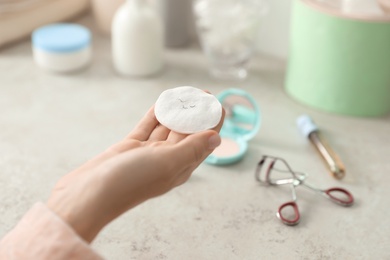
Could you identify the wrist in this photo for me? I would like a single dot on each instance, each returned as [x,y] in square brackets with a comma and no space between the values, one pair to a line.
[81,221]
[88,217]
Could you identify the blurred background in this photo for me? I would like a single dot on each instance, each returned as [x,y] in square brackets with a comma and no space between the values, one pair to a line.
[335,52]
[18,18]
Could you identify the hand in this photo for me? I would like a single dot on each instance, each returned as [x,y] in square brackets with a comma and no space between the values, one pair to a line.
[149,162]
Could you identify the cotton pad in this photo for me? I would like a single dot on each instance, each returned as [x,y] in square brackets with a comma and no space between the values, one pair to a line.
[187,110]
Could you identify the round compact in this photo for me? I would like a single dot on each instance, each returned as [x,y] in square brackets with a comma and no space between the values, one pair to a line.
[62,47]
[242,123]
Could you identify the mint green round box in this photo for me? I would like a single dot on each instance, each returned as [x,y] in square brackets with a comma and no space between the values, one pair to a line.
[339,64]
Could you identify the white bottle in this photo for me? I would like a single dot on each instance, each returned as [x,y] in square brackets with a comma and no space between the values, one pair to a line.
[137,39]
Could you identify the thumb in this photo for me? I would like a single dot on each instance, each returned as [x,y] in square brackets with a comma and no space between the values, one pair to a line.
[196,147]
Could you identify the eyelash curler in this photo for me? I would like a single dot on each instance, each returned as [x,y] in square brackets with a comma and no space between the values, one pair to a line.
[265,172]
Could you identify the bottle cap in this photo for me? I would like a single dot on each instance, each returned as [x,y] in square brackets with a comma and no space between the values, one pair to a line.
[306,125]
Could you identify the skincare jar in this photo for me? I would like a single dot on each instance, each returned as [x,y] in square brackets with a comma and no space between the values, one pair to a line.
[62,47]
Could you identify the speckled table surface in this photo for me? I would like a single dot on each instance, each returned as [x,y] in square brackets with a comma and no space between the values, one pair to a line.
[50,124]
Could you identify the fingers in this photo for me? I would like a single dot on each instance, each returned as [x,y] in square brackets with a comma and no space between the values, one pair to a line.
[174,137]
[145,127]
[160,133]
[193,149]
[150,129]
[196,147]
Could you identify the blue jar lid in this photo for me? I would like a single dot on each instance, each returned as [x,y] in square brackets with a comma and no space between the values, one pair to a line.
[61,37]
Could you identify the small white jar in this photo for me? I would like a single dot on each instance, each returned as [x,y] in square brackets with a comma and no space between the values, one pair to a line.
[62,47]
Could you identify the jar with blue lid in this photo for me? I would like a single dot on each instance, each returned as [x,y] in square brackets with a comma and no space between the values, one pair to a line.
[62,47]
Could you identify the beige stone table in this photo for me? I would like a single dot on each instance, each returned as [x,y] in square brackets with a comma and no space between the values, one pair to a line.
[50,124]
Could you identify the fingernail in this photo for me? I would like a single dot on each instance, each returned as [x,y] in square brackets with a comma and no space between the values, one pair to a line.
[214,141]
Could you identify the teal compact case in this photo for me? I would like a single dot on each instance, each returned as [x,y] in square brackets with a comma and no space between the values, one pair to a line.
[241,124]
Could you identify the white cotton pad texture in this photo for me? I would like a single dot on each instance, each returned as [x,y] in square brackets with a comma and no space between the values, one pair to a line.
[187,110]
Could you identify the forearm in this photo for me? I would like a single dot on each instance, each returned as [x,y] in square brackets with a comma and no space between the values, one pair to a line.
[89,208]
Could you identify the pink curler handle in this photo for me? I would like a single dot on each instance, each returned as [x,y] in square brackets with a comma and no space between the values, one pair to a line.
[290,222]
[348,201]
